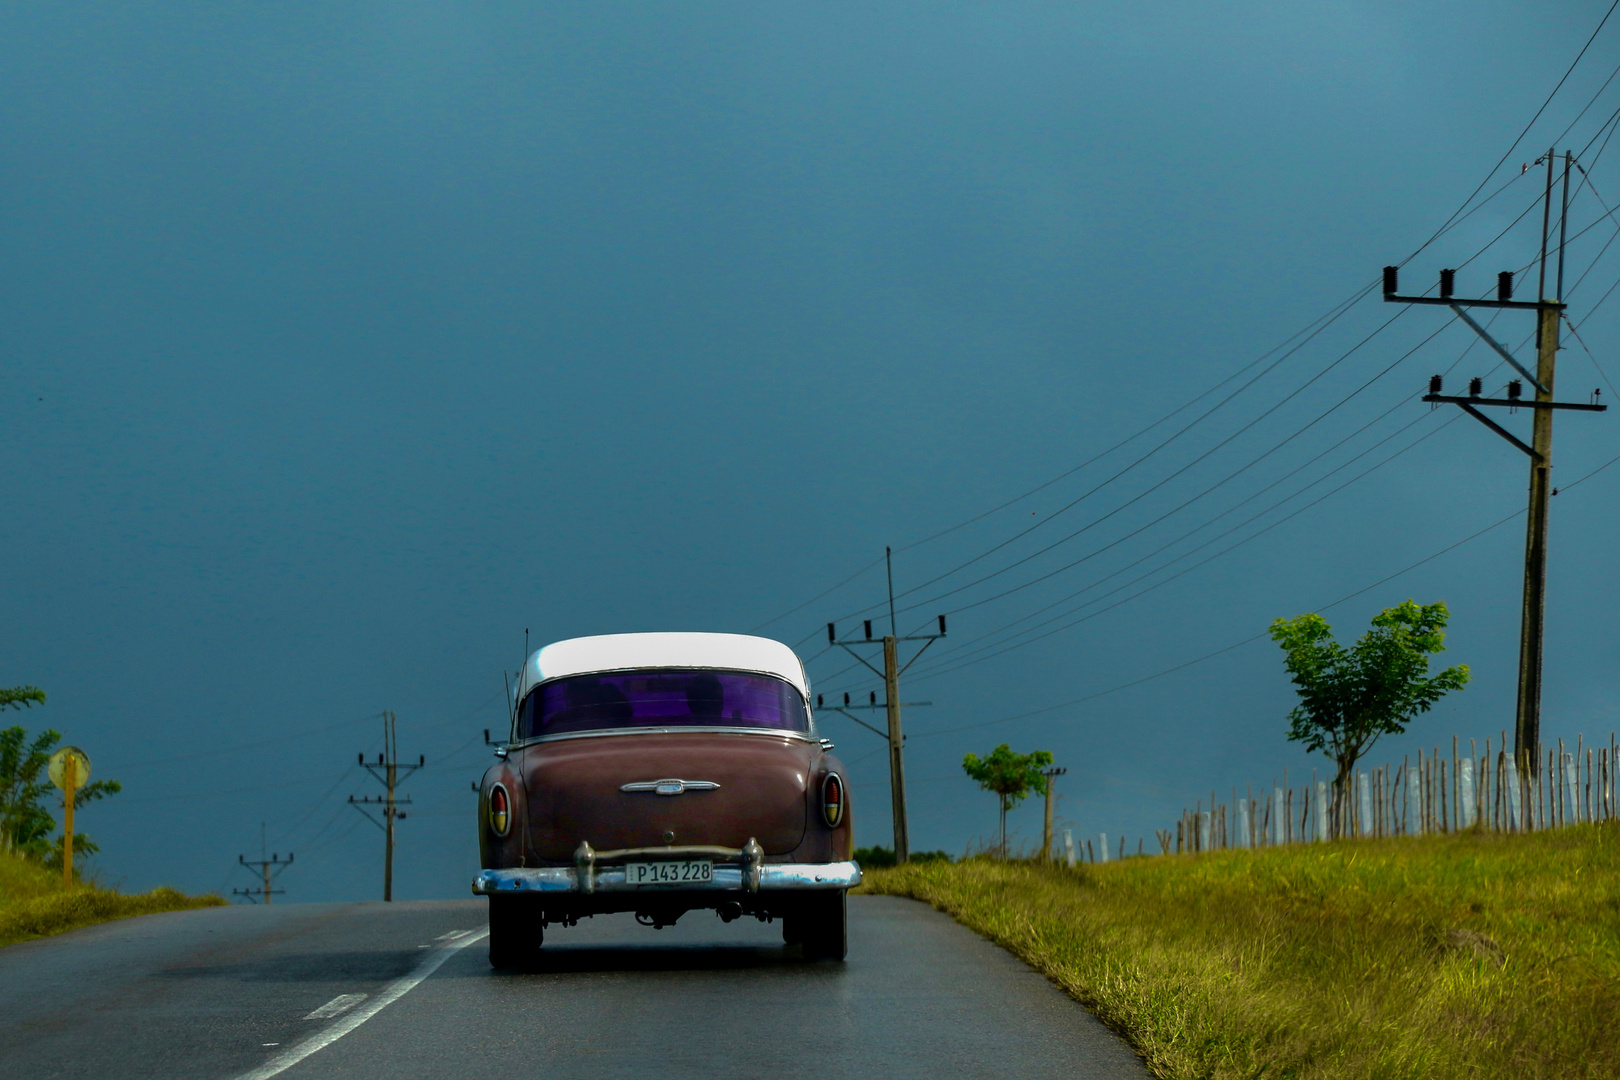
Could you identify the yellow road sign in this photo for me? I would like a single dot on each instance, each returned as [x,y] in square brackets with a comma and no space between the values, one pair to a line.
[81,767]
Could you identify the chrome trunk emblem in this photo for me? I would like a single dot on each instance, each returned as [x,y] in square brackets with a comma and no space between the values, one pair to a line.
[670,787]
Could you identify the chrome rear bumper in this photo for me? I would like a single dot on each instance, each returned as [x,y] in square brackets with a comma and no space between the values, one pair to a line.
[771,877]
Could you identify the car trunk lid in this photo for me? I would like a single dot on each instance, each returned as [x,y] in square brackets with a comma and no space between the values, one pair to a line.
[685,788]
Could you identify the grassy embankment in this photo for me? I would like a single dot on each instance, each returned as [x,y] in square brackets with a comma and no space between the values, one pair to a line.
[1451,956]
[34,904]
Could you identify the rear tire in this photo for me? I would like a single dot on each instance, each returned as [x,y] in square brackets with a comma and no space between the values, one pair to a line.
[515,934]
[825,927]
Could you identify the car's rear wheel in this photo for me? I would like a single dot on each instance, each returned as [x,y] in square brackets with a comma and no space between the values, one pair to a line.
[824,926]
[515,932]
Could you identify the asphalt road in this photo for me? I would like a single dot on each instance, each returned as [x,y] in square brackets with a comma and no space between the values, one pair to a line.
[247,991]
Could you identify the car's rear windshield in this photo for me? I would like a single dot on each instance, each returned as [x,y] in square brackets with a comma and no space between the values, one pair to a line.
[662,698]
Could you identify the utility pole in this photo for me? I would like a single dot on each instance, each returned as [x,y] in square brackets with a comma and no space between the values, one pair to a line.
[388,770]
[1046,830]
[1527,723]
[892,670]
[268,869]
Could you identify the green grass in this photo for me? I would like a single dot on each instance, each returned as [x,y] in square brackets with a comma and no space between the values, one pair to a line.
[34,904]
[1355,959]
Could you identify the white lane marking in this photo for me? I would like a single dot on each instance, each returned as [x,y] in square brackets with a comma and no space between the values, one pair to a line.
[390,994]
[340,1004]
[453,935]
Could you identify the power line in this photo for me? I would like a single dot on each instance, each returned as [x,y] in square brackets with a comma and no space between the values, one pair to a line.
[1332,317]
[1218,446]
[1509,152]
[1139,496]
[818,596]
[1199,528]
[1197,565]
[1226,648]
[1313,328]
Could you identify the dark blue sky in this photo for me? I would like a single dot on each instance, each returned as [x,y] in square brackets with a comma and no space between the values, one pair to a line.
[340,345]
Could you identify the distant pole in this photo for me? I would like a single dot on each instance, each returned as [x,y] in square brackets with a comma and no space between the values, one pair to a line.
[892,670]
[1046,830]
[391,742]
[269,868]
[388,771]
[897,764]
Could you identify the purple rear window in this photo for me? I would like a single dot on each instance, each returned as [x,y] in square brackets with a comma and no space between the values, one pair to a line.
[674,698]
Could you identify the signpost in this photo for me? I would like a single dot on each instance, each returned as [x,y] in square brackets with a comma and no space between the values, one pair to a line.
[69,770]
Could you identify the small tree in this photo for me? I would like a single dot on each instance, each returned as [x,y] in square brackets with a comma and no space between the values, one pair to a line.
[21,697]
[1011,776]
[25,823]
[1350,697]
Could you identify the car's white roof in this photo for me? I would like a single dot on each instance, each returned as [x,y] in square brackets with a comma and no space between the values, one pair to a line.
[619,652]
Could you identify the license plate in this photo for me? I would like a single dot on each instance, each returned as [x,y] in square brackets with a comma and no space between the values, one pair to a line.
[669,873]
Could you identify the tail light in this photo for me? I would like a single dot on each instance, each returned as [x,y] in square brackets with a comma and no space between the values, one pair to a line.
[832,800]
[500,810]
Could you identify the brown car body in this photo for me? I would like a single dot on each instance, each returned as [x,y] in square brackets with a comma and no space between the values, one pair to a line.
[580,805]
[569,791]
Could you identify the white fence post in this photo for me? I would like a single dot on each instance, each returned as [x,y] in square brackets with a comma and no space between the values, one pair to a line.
[1243,823]
[1572,792]
[1321,811]
[1414,802]
[1102,847]
[1203,831]
[1364,793]
[1465,791]
[1068,846]
[1513,795]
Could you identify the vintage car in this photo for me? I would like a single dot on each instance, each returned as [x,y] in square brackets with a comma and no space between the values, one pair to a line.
[661,774]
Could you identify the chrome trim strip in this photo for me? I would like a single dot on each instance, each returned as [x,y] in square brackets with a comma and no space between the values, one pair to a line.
[778,877]
[672,786]
[775,733]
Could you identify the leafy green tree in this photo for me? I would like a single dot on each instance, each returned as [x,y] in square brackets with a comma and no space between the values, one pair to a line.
[21,697]
[1011,776]
[26,824]
[1351,697]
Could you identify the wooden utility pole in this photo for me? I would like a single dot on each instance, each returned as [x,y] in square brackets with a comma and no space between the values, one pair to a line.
[1549,311]
[897,764]
[1046,830]
[265,867]
[387,770]
[892,670]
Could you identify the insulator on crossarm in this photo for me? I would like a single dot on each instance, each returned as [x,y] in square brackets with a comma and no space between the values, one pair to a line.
[1448,283]
[1504,285]
[868,629]
[818,701]
[942,626]
[1515,389]
[872,697]
[1435,383]
[1476,386]
[1392,276]
[846,699]
[832,635]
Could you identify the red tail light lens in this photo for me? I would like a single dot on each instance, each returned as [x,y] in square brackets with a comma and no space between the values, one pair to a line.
[500,810]
[832,800]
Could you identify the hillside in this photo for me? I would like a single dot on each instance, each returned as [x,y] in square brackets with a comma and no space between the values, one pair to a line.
[1443,956]
[34,904]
